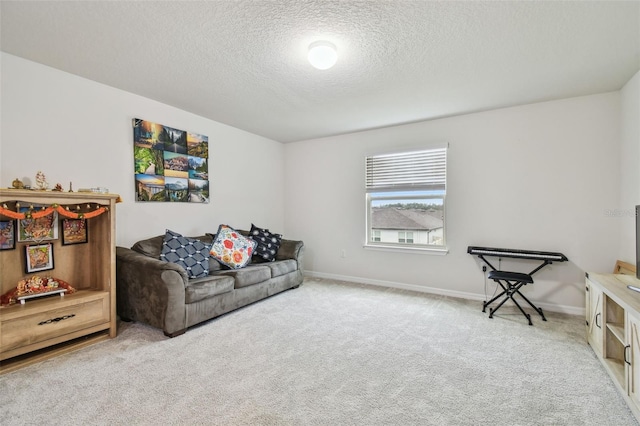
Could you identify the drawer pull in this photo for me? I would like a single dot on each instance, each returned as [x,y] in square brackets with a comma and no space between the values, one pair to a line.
[52,320]
[625,354]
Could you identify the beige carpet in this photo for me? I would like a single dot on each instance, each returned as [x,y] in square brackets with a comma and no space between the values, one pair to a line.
[329,354]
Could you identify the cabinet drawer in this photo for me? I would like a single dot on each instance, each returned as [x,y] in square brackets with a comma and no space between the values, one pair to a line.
[34,327]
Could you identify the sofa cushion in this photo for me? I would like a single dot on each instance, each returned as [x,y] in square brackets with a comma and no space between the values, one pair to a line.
[190,253]
[250,275]
[231,248]
[151,247]
[213,265]
[267,243]
[203,288]
[282,267]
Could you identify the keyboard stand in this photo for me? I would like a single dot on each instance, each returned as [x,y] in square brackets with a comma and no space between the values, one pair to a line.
[512,282]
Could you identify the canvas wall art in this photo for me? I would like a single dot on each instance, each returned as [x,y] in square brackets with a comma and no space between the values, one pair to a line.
[171,165]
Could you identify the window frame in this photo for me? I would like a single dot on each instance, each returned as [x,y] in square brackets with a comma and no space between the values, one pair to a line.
[420,192]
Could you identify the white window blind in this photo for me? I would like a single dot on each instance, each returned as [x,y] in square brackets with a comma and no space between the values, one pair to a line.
[426,170]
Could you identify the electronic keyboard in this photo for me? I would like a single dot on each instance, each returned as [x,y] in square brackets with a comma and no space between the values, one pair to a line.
[518,254]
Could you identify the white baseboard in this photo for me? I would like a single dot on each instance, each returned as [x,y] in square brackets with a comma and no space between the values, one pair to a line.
[570,310]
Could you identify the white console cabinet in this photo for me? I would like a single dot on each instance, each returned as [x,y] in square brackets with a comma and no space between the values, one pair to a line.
[613,330]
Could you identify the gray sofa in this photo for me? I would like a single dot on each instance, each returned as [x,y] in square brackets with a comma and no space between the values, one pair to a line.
[160,294]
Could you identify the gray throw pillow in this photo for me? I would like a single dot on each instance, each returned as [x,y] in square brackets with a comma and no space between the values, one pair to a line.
[190,253]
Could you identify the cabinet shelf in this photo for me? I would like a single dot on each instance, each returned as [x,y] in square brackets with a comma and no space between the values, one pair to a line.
[49,303]
[617,329]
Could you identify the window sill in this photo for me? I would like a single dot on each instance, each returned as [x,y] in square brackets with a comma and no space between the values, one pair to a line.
[417,250]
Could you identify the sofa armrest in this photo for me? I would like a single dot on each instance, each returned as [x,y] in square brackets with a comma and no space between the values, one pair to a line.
[148,264]
[150,290]
[291,249]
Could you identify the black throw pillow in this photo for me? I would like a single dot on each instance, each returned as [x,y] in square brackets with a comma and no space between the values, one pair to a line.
[268,243]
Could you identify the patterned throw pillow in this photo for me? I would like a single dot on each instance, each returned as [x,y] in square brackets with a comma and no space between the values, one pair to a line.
[191,254]
[268,243]
[231,248]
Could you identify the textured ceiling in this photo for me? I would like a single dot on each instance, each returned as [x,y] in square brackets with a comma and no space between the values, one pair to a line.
[243,63]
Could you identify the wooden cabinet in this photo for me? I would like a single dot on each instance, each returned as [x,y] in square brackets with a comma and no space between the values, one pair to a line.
[613,326]
[633,384]
[46,326]
[593,295]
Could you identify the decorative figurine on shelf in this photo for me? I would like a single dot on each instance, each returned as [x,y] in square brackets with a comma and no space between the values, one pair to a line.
[41,181]
[17,184]
[58,188]
[35,285]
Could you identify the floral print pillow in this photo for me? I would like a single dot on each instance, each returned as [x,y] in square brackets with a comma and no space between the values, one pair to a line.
[231,248]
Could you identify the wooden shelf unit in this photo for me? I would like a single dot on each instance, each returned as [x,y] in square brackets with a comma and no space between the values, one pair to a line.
[612,322]
[48,326]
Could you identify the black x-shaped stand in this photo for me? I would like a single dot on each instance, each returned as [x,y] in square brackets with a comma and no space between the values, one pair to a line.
[512,282]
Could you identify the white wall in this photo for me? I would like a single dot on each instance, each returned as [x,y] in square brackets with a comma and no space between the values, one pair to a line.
[77,130]
[536,177]
[629,167]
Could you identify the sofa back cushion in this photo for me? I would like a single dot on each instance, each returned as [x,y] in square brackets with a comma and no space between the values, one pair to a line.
[152,247]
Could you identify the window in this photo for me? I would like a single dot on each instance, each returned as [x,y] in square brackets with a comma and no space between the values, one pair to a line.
[405,237]
[405,198]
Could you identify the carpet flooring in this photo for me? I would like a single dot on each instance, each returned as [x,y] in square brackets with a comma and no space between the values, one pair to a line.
[329,353]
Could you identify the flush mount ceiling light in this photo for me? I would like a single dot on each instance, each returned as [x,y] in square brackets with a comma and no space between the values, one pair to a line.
[322,54]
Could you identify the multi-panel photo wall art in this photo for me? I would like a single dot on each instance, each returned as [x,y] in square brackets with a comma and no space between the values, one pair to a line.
[170,164]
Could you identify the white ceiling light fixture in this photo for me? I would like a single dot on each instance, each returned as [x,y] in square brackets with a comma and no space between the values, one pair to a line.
[322,54]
